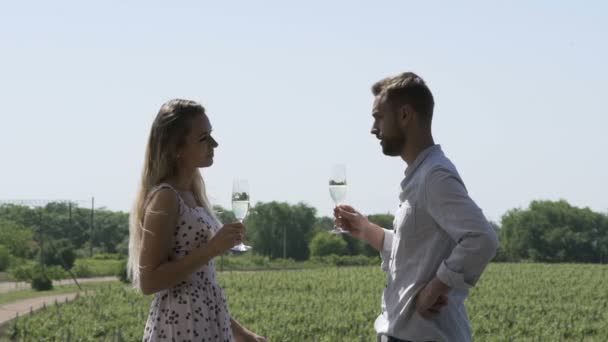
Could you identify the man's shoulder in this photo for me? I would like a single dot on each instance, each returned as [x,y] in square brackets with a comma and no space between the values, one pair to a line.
[438,163]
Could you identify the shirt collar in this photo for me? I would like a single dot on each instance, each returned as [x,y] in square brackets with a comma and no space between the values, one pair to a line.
[409,171]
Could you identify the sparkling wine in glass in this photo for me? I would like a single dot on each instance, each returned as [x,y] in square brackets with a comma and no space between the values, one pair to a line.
[240,207]
[337,190]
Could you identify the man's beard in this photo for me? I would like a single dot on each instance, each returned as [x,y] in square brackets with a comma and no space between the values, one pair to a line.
[393,146]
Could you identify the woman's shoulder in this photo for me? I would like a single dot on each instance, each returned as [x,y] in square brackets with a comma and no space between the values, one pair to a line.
[163,196]
[163,186]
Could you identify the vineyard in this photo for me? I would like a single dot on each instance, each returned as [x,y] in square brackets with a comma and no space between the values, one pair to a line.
[513,302]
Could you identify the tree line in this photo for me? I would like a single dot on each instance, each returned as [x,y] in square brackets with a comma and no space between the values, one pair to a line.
[546,231]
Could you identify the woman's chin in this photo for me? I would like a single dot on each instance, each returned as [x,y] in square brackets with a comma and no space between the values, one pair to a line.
[206,163]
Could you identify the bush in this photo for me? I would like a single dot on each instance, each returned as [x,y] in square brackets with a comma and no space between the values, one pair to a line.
[29,270]
[244,261]
[85,251]
[121,272]
[41,282]
[56,272]
[346,260]
[5,258]
[326,244]
[285,263]
[107,256]
[22,272]
[258,262]
[82,270]
[86,268]
[356,260]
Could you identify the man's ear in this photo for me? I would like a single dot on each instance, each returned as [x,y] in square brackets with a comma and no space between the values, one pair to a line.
[405,115]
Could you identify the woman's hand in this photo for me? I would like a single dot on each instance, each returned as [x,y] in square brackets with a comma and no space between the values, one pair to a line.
[228,236]
[250,337]
[242,334]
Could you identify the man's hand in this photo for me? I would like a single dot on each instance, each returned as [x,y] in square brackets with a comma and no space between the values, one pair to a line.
[432,298]
[359,226]
[351,220]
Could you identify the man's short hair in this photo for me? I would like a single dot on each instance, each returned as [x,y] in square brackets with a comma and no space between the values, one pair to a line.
[407,88]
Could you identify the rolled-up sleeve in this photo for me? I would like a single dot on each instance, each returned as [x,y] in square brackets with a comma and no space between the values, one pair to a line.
[455,212]
[387,248]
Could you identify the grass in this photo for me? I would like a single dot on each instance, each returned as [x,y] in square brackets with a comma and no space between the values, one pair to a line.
[29,293]
[512,302]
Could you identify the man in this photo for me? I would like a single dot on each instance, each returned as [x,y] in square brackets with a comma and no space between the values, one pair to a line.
[441,241]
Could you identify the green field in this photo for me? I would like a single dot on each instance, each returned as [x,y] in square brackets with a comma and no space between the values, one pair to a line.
[14,296]
[513,302]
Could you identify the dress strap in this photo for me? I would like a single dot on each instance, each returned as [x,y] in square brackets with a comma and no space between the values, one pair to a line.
[164,186]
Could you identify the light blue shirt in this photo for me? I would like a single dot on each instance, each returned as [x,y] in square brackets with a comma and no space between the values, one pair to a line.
[438,231]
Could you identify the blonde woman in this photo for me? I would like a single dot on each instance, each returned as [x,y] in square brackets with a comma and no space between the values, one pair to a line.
[174,235]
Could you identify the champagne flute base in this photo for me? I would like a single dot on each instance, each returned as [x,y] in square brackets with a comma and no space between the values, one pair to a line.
[241,248]
[338,230]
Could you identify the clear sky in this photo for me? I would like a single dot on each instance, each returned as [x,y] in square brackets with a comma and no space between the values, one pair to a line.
[520,90]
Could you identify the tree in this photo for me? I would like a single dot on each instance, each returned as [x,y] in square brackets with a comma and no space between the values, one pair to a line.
[17,239]
[383,220]
[21,215]
[59,252]
[109,230]
[123,248]
[500,252]
[276,228]
[355,246]
[554,232]
[66,221]
[323,224]
[4,258]
[224,215]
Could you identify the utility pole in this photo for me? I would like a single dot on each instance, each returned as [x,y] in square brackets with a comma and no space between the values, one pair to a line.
[284,242]
[70,214]
[41,239]
[91,226]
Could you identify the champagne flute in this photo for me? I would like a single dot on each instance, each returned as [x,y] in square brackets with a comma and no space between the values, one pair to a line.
[240,207]
[337,190]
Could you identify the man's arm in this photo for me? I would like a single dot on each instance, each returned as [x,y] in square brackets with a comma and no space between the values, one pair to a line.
[449,204]
[360,227]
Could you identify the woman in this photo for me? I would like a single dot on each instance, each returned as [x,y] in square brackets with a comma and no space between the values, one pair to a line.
[174,234]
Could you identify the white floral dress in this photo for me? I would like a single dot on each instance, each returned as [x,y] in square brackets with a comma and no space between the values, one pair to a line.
[195,309]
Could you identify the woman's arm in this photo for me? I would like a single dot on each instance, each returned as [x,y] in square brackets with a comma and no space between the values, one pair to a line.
[242,334]
[160,220]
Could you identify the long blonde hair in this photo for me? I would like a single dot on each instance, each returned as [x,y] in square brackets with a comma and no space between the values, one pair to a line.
[171,125]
